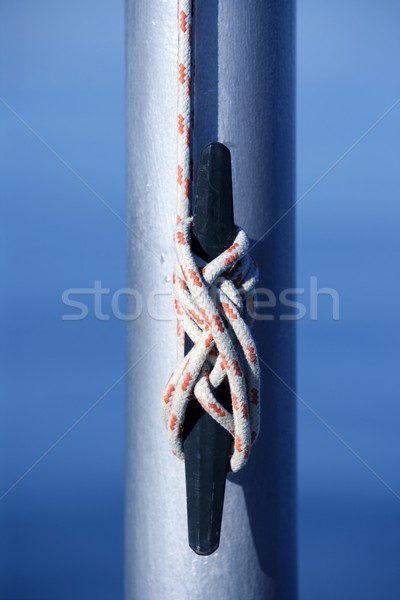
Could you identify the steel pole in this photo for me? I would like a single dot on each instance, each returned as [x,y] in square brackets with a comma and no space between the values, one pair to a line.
[244,97]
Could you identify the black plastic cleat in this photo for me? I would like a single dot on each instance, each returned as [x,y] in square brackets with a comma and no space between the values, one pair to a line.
[207,445]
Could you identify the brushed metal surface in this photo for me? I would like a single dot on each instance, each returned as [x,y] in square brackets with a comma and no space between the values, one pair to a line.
[244,97]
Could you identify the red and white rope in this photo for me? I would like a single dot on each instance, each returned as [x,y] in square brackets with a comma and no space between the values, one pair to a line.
[210,303]
[184,105]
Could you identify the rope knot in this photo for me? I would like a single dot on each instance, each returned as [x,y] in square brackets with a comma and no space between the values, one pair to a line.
[211,303]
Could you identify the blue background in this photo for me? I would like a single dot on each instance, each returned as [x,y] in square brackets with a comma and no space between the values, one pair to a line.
[62,162]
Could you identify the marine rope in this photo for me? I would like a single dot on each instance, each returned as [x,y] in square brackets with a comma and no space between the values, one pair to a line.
[211,302]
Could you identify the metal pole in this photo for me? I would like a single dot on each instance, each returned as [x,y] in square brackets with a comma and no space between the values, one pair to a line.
[244,97]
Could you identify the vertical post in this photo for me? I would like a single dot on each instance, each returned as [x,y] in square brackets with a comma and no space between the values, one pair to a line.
[244,97]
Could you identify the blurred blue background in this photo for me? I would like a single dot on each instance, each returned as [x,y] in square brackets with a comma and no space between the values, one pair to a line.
[62,77]
[62,189]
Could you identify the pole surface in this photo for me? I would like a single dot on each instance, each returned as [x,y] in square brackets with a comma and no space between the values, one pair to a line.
[244,97]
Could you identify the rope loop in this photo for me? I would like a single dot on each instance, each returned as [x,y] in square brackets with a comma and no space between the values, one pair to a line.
[211,302]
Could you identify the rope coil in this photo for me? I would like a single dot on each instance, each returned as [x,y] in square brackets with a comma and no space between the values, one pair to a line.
[210,302]
[211,305]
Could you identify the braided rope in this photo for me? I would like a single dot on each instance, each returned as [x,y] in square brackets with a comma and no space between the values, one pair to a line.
[184,105]
[210,303]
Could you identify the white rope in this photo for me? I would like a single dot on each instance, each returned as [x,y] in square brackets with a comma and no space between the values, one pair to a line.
[211,306]
[184,105]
